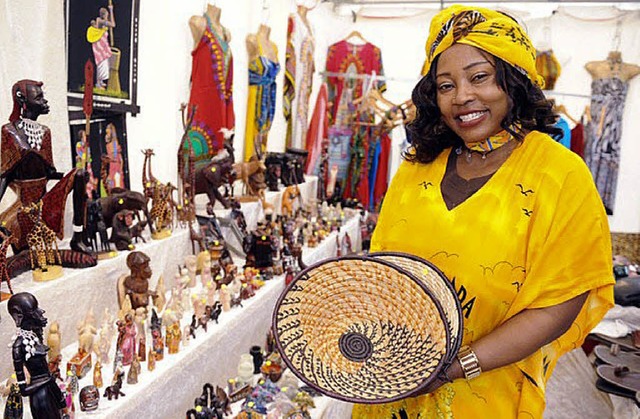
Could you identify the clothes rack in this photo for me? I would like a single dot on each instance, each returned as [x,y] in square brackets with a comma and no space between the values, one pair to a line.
[366,76]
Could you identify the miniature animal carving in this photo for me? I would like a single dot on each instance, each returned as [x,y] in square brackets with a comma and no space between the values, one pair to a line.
[148,180]
[113,391]
[162,206]
[43,243]
[206,177]
[7,240]
[288,199]
[252,174]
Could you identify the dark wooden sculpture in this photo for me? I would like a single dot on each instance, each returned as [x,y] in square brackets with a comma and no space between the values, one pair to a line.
[26,165]
[30,353]
[205,176]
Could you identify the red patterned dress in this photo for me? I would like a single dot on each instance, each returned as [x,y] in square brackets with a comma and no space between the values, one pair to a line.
[211,92]
[349,145]
[344,57]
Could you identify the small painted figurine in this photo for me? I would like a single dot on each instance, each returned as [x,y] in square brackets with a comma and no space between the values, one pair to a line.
[190,263]
[136,285]
[151,361]
[158,345]
[225,298]
[173,337]
[14,408]
[45,398]
[97,374]
[134,371]
[126,342]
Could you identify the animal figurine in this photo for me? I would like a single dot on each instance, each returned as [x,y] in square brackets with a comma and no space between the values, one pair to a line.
[96,227]
[122,199]
[288,199]
[6,240]
[43,244]
[113,391]
[120,233]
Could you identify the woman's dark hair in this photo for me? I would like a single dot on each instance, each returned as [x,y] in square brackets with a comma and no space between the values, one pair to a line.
[429,135]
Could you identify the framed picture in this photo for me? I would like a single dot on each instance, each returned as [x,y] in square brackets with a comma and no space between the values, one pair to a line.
[103,153]
[105,32]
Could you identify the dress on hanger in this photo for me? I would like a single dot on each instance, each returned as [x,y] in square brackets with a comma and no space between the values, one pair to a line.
[298,82]
[349,146]
[577,139]
[262,100]
[548,67]
[211,92]
[345,57]
[603,132]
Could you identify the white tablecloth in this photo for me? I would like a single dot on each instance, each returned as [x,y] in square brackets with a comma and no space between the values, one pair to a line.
[169,391]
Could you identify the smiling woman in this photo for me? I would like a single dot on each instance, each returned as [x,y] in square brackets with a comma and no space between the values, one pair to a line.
[508,216]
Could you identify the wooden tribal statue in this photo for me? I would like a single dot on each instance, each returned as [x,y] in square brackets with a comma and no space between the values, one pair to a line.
[43,245]
[26,166]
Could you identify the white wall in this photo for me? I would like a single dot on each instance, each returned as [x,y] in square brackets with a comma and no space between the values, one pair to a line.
[165,65]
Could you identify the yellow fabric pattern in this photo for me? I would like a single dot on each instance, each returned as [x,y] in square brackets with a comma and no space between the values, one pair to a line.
[535,235]
[486,29]
[94,34]
[251,131]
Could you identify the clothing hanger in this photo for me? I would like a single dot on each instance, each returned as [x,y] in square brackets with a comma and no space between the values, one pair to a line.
[265,12]
[356,34]
[561,109]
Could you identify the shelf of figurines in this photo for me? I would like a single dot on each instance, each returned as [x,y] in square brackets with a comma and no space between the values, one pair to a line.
[201,327]
[262,388]
[78,290]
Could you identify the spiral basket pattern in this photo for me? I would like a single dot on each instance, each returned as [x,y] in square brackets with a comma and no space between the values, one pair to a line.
[439,286]
[362,330]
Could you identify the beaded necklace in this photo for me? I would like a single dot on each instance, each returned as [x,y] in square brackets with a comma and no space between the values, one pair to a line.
[486,146]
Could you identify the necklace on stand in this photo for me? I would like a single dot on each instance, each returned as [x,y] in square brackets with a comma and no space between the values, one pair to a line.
[486,146]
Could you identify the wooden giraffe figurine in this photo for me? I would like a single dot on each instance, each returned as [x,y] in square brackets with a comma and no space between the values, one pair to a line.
[7,239]
[43,243]
[148,180]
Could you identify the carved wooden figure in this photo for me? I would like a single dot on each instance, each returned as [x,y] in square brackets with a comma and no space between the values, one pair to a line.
[43,245]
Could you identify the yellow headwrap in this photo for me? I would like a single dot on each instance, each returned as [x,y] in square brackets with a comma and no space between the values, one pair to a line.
[491,31]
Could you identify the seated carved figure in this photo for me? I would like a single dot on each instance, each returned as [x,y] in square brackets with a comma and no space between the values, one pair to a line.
[26,165]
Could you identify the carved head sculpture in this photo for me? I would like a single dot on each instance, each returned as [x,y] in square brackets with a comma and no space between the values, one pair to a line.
[28,100]
[23,308]
[138,263]
[89,398]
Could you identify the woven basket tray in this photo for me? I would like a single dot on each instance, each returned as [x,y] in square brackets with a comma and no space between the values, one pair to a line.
[362,329]
[440,287]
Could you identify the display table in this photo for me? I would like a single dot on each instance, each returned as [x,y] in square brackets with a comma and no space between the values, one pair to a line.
[169,390]
[69,298]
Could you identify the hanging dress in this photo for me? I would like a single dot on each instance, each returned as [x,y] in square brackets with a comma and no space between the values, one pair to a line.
[262,101]
[602,148]
[548,67]
[211,92]
[298,82]
[345,57]
[347,142]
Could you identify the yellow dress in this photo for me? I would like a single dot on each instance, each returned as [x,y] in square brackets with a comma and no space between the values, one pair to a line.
[535,235]
[261,102]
